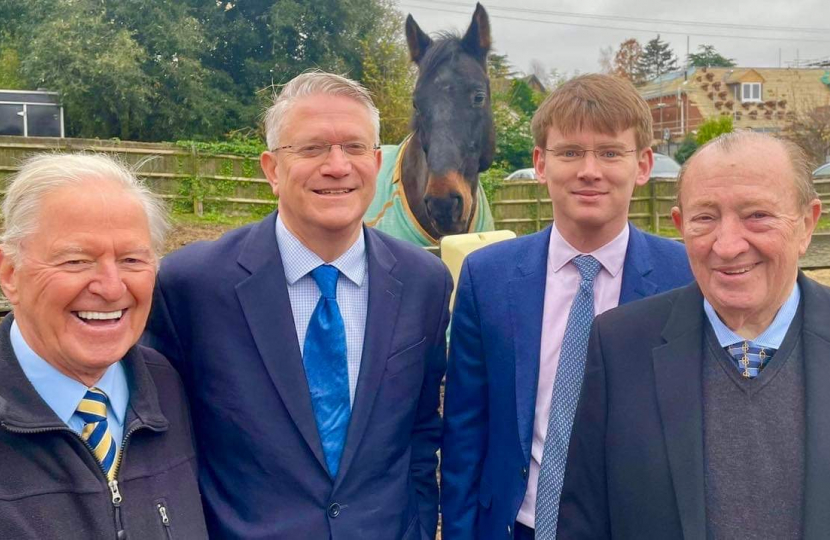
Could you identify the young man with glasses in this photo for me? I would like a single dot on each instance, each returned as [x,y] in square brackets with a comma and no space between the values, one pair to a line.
[312,348]
[524,308]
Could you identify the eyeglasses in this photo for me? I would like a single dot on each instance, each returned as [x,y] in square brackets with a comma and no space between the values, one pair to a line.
[319,150]
[606,156]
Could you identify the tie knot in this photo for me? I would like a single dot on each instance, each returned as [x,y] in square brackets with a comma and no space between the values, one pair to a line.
[588,267]
[326,277]
[93,406]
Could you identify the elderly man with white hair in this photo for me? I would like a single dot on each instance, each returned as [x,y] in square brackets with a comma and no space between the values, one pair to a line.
[95,437]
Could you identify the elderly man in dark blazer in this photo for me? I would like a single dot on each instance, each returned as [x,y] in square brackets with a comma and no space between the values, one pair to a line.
[704,410]
[312,348]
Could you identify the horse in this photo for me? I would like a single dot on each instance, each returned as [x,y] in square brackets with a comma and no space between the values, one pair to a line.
[428,185]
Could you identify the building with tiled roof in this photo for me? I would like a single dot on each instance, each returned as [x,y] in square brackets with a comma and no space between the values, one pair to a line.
[763,99]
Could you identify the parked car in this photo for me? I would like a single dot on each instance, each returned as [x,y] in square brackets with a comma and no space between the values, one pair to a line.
[822,172]
[523,174]
[665,168]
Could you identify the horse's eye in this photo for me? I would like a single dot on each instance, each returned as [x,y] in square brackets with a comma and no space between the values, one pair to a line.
[415,106]
[478,99]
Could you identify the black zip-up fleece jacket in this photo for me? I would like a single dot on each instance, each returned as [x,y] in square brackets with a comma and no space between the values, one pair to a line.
[51,485]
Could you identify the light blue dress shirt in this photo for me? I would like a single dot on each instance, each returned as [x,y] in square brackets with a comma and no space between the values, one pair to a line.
[63,394]
[771,338]
[352,292]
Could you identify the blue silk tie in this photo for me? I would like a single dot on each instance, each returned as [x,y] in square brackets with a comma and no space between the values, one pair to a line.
[566,390]
[326,368]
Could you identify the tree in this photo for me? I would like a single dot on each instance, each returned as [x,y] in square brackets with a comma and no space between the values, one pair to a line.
[686,149]
[627,59]
[389,75]
[709,57]
[810,129]
[712,128]
[657,59]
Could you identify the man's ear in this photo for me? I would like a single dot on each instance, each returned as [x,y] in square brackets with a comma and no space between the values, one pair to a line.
[7,278]
[677,219]
[645,162]
[539,164]
[268,162]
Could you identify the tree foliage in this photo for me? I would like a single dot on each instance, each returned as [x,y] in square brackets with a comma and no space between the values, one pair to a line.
[712,128]
[707,56]
[686,149]
[189,69]
[657,58]
[390,77]
[626,63]
[810,129]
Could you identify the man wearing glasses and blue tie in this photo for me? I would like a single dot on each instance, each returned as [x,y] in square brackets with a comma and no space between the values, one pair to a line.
[312,348]
[524,308]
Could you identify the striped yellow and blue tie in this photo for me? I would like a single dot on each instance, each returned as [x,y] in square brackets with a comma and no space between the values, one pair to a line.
[93,410]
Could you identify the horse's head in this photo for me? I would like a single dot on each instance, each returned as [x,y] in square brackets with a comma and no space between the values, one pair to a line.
[453,120]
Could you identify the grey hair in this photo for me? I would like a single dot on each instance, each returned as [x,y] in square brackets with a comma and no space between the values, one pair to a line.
[44,173]
[799,162]
[311,83]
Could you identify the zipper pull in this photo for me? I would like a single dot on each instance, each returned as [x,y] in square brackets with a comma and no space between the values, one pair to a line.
[165,519]
[116,493]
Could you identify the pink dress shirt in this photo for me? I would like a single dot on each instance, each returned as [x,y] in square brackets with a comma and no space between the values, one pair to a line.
[561,284]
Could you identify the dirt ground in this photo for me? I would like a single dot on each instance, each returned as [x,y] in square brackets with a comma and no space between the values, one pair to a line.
[183,234]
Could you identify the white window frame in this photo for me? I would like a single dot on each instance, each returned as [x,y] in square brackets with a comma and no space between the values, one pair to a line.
[749,91]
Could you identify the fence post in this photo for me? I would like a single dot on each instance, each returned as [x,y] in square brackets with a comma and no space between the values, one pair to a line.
[655,210]
[197,193]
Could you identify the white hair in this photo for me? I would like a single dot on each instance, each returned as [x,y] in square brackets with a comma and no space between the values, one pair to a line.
[45,173]
[311,83]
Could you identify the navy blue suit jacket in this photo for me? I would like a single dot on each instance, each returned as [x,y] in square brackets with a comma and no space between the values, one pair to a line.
[222,315]
[493,371]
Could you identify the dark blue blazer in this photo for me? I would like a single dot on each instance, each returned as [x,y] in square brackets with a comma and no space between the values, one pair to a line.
[493,371]
[222,316]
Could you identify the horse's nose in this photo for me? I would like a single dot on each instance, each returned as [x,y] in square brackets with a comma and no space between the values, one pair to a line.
[445,211]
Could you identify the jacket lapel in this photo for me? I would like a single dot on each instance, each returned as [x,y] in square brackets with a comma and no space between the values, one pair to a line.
[381,316]
[816,342]
[638,265]
[527,301]
[264,300]
[677,374]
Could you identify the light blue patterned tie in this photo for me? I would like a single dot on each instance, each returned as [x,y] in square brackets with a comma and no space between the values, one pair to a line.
[750,358]
[326,368]
[566,389]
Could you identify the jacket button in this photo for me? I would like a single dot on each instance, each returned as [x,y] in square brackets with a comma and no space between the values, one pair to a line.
[509,530]
[524,473]
[334,510]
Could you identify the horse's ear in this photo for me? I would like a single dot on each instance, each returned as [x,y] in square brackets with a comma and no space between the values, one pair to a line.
[417,40]
[477,39]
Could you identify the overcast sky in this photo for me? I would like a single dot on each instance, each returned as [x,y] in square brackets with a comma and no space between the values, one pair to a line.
[568,34]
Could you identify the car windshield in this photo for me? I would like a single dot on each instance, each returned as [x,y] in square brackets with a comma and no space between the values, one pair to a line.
[824,170]
[523,174]
[664,167]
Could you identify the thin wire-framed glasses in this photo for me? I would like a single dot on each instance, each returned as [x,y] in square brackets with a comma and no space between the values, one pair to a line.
[319,149]
[606,156]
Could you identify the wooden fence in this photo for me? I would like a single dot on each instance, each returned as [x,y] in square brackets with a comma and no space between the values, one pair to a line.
[525,207]
[227,184]
[190,181]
